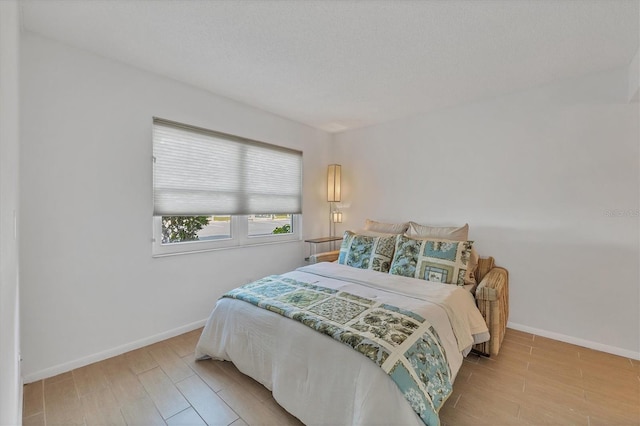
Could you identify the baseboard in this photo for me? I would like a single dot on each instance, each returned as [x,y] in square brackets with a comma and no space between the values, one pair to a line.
[576,341]
[81,362]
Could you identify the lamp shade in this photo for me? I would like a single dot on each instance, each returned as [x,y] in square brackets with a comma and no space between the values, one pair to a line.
[333,182]
[337,216]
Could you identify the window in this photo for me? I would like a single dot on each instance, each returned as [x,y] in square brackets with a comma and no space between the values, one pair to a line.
[261,225]
[214,190]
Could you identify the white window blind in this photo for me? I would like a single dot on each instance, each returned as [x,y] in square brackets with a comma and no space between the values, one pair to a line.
[203,172]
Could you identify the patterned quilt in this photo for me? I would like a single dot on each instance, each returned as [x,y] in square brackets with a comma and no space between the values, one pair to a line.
[401,342]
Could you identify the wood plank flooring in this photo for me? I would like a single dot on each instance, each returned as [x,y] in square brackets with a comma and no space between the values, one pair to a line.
[539,381]
[534,381]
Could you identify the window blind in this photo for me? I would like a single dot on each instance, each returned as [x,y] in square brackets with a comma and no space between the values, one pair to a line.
[203,172]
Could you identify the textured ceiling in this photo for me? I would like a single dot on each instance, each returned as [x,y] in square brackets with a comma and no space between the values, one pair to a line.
[341,65]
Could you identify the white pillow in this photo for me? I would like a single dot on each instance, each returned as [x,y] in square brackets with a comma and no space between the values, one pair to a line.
[445,232]
[386,228]
[372,233]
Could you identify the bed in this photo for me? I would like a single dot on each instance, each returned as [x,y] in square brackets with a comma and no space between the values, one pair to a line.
[322,380]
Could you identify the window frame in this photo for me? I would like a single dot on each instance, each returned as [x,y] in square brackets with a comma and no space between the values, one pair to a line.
[240,237]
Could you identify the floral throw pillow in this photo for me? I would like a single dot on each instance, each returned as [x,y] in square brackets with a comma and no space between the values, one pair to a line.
[443,261]
[367,251]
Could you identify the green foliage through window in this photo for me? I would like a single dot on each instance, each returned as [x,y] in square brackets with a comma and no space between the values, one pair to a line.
[284,229]
[176,229]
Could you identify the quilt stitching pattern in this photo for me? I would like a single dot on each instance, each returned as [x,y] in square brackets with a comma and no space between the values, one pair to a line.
[338,310]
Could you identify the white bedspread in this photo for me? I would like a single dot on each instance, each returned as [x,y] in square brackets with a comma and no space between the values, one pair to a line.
[324,382]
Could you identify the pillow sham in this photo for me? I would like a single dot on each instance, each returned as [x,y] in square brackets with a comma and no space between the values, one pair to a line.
[438,260]
[449,233]
[387,228]
[443,232]
[373,233]
[367,251]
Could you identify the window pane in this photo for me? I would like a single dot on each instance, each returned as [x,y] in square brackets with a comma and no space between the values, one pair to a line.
[219,227]
[179,229]
[270,224]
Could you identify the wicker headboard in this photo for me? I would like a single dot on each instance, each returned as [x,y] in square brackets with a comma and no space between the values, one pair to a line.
[484,265]
[492,297]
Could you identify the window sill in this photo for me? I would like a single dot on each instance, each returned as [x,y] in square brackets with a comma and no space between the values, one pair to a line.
[231,247]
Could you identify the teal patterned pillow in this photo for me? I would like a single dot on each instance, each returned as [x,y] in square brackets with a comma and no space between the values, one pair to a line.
[367,251]
[437,260]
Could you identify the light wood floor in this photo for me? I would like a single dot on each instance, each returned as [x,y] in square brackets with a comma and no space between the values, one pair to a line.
[534,381]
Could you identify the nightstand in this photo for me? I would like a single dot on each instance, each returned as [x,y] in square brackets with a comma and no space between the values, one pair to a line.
[313,244]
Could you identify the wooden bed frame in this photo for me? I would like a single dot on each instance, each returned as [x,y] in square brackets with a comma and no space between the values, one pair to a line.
[492,298]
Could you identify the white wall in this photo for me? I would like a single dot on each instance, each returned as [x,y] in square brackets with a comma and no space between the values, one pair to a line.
[634,78]
[10,378]
[90,287]
[548,181]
